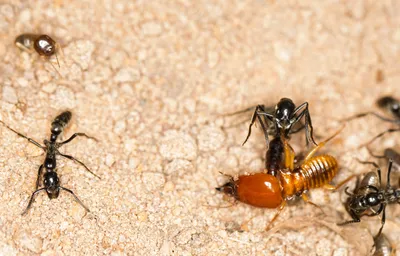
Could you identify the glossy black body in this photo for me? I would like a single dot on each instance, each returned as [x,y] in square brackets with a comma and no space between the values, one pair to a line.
[51,182]
[280,124]
[370,198]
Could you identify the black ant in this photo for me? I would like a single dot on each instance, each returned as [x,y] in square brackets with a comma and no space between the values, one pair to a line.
[280,123]
[285,116]
[389,104]
[44,45]
[51,181]
[370,198]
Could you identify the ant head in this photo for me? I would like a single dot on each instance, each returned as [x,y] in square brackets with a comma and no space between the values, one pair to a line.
[52,184]
[229,188]
[284,112]
[389,103]
[45,45]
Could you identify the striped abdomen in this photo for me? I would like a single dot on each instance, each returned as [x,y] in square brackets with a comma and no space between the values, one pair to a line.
[318,171]
[313,173]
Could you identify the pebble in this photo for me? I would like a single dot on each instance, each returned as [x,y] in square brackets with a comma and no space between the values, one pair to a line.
[177,144]
[81,52]
[151,28]
[127,75]
[25,240]
[210,138]
[10,95]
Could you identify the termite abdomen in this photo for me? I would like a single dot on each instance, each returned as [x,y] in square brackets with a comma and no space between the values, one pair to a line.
[318,171]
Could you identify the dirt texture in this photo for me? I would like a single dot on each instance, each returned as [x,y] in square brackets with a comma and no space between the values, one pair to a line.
[151,81]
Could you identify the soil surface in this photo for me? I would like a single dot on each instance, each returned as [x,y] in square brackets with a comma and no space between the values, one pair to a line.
[152,81]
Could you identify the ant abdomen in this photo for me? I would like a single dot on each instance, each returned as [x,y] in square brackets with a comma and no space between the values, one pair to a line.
[59,123]
[26,42]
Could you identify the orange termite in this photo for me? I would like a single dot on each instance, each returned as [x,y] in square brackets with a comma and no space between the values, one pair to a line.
[267,191]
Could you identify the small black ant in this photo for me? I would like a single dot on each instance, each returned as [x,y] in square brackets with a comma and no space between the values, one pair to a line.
[44,45]
[280,122]
[51,181]
[390,105]
[370,198]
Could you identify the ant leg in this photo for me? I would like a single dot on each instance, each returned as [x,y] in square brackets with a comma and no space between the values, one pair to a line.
[79,162]
[298,129]
[76,198]
[38,176]
[239,112]
[396,121]
[388,174]
[281,207]
[256,115]
[321,144]
[76,135]
[23,136]
[378,136]
[355,219]
[308,124]
[334,188]
[382,221]
[31,200]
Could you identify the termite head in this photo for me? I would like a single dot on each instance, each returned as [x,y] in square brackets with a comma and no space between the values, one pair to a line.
[52,184]
[229,188]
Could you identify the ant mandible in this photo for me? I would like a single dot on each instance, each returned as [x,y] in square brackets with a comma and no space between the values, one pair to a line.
[50,178]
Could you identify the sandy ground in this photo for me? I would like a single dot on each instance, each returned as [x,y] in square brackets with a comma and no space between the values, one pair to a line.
[150,80]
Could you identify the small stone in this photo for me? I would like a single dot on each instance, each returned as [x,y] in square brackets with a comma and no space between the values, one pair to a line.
[81,52]
[63,98]
[77,211]
[127,75]
[28,241]
[49,88]
[169,186]
[22,82]
[151,28]
[10,95]
[25,16]
[119,127]
[177,144]
[210,139]
[110,160]
[153,181]
[142,216]
[178,167]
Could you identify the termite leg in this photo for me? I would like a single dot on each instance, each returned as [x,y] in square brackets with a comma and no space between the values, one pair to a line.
[321,144]
[334,188]
[281,207]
